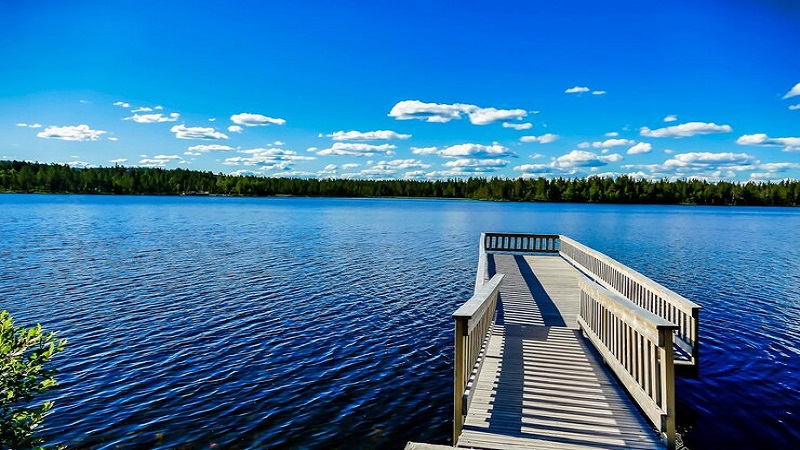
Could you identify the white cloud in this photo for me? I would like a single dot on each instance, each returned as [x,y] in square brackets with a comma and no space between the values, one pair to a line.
[612,134]
[161,160]
[599,92]
[153,118]
[202,133]
[476,165]
[579,158]
[77,164]
[267,158]
[118,160]
[235,129]
[518,126]
[350,166]
[610,143]
[441,113]
[584,145]
[577,90]
[671,118]
[543,139]
[641,147]
[790,144]
[793,92]
[71,133]
[142,109]
[113,139]
[424,150]
[254,120]
[475,151]
[205,148]
[367,136]
[122,104]
[386,169]
[701,165]
[30,125]
[356,149]
[686,130]
[794,107]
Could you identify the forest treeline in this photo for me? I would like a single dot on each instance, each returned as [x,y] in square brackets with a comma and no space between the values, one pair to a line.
[21,176]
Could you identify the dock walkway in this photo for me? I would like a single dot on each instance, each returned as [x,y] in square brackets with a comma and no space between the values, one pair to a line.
[540,385]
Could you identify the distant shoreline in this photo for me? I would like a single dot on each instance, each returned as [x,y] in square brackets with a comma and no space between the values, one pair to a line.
[27,178]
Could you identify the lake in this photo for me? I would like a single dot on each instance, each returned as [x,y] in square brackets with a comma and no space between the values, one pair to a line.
[202,322]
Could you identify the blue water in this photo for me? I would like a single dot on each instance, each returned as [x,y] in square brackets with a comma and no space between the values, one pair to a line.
[197,322]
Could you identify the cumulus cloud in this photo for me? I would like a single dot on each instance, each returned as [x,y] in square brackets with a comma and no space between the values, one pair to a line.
[267,158]
[424,150]
[543,139]
[793,92]
[671,118]
[255,120]
[577,90]
[610,143]
[71,133]
[442,113]
[686,130]
[579,158]
[153,118]
[641,147]
[356,149]
[205,148]
[30,125]
[122,104]
[789,144]
[367,136]
[475,151]
[235,129]
[702,165]
[201,133]
[518,126]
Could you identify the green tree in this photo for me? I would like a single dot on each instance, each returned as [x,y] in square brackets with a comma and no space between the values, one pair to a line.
[24,356]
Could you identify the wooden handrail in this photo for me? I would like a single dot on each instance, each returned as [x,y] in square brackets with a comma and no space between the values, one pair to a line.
[518,242]
[641,290]
[637,345]
[473,322]
[482,275]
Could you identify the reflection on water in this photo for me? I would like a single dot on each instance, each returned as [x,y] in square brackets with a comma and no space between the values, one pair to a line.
[325,323]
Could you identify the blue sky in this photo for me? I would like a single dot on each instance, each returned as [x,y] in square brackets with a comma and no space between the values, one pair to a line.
[422,90]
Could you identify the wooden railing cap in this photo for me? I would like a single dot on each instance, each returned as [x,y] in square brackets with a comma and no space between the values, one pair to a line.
[478,301]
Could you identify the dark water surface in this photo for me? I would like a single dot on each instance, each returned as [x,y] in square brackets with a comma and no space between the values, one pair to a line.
[325,323]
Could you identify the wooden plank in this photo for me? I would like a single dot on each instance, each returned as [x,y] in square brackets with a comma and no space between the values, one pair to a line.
[541,385]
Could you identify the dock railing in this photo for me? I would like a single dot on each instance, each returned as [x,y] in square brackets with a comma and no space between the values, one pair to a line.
[637,345]
[643,292]
[473,322]
[517,242]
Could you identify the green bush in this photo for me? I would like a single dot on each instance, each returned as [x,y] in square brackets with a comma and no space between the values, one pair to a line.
[24,373]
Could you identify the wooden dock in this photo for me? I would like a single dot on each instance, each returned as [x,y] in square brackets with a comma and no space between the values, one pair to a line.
[531,344]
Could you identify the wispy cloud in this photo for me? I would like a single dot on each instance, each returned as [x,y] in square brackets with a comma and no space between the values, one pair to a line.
[367,135]
[670,118]
[441,113]
[577,90]
[30,125]
[793,92]
[206,148]
[255,120]
[686,130]
[789,144]
[71,133]
[118,160]
[794,107]
[161,160]
[356,149]
[599,92]
[235,129]
[122,104]
[543,139]
[518,126]
[387,169]
[199,133]
[267,158]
